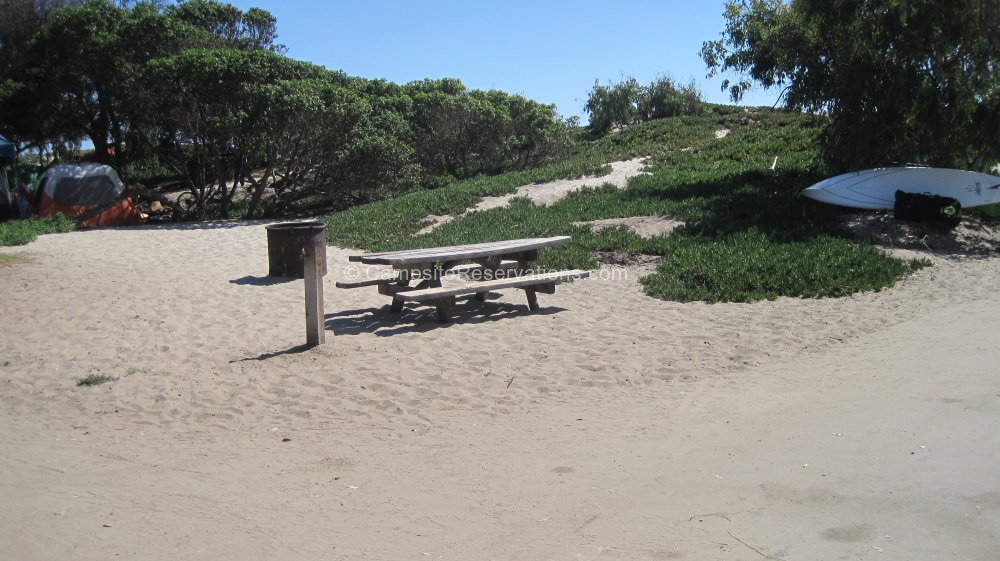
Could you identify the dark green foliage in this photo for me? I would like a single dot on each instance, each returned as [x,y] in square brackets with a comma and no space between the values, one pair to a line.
[664,98]
[391,223]
[254,29]
[901,80]
[69,83]
[304,126]
[615,106]
[465,133]
[682,133]
[20,20]
[21,232]
[750,265]
[80,75]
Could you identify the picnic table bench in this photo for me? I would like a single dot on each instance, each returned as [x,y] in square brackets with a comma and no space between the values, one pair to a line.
[494,266]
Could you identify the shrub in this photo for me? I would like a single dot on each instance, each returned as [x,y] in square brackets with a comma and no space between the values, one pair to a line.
[464,133]
[616,106]
[613,106]
[749,266]
[94,380]
[22,232]
[664,98]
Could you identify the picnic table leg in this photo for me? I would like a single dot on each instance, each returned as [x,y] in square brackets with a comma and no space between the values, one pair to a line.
[490,270]
[532,292]
[524,259]
[436,273]
[444,307]
[532,298]
[397,303]
[440,270]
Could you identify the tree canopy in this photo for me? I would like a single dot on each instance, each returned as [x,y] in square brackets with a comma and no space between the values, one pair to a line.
[189,88]
[465,133]
[301,125]
[626,103]
[79,74]
[901,80]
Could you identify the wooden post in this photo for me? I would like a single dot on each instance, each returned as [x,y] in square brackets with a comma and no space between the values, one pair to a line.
[313,269]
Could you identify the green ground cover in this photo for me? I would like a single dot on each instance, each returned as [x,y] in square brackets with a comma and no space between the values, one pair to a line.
[21,232]
[748,234]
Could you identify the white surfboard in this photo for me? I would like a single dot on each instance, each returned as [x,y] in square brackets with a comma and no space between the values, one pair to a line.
[876,188]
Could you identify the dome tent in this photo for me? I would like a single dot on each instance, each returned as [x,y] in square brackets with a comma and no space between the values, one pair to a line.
[90,192]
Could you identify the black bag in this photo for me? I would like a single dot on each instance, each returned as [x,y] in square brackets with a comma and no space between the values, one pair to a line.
[924,206]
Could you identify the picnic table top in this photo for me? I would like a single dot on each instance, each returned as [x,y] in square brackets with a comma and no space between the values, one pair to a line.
[458,252]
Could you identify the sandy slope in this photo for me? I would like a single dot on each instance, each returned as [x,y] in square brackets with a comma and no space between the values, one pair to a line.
[545,194]
[605,426]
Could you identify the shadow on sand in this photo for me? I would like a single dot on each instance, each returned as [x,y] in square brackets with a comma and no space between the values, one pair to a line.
[202,225]
[383,323]
[297,349]
[250,280]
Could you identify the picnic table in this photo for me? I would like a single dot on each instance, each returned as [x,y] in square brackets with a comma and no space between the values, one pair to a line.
[489,266]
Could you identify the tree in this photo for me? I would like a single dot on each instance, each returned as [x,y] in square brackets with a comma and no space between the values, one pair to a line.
[665,98]
[304,127]
[255,29]
[79,70]
[79,76]
[901,80]
[21,116]
[19,21]
[616,106]
[463,133]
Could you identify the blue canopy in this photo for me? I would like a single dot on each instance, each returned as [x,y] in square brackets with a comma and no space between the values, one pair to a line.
[7,149]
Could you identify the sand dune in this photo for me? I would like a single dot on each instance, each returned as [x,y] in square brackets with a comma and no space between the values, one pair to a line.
[607,425]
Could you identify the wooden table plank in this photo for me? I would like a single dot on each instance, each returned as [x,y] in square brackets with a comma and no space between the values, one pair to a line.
[484,245]
[458,252]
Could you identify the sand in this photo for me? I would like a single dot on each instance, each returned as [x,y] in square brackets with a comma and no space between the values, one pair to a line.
[544,194]
[645,226]
[605,426]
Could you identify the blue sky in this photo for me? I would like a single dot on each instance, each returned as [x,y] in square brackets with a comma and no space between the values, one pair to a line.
[549,51]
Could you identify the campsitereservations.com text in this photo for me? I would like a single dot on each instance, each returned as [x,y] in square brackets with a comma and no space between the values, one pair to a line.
[356,273]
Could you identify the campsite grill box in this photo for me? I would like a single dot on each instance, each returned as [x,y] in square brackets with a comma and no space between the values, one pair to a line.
[286,244]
